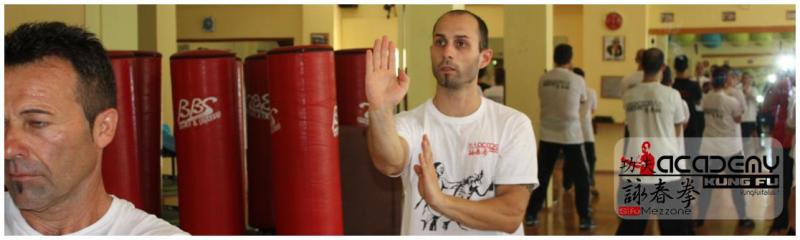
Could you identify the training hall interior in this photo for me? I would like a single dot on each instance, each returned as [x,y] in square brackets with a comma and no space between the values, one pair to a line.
[753,38]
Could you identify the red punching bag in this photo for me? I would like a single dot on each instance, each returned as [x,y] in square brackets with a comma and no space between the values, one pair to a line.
[132,162]
[121,165]
[350,93]
[259,170]
[305,145]
[207,142]
[149,92]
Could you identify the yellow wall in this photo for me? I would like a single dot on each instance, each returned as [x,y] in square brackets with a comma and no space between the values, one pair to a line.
[120,27]
[608,135]
[18,14]
[417,24]
[147,27]
[702,16]
[321,19]
[634,30]
[241,21]
[362,25]
[568,22]
[528,52]
[493,15]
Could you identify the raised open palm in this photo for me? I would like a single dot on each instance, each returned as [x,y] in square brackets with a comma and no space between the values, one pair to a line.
[385,88]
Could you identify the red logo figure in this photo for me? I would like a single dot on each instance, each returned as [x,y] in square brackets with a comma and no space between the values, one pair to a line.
[646,163]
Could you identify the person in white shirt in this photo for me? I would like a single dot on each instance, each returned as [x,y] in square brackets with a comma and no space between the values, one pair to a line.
[750,113]
[654,115]
[668,81]
[734,88]
[721,137]
[636,77]
[468,164]
[60,112]
[497,92]
[560,94]
[701,78]
[587,113]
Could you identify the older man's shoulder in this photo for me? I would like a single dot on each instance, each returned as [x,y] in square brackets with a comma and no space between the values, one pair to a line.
[133,221]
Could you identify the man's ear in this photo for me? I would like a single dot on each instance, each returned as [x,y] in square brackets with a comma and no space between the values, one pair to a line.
[486,57]
[105,127]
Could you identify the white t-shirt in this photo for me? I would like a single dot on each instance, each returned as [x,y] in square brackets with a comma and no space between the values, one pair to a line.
[701,80]
[751,108]
[587,107]
[631,80]
[122,218]
[652,110]
[493,146]
[685,112]
[560,94]
[720,136]
[495,93]
[738,94]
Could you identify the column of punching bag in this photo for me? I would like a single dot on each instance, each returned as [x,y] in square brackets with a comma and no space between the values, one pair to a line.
[367,206]
[131,163]
[207,141]
[350,89]
[260,207]
[304,144]
[240,114]
[150,92]
[121,165]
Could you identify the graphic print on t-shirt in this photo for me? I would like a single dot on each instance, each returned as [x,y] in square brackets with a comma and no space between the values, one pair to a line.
[466,188]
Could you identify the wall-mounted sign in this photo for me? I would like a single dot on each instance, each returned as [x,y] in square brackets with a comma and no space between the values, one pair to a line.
[611,86]
[729,16]
[319,38]
[613,21]
[208,24]
[667,17]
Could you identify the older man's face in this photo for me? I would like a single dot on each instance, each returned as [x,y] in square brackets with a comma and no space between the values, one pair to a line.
[49,148]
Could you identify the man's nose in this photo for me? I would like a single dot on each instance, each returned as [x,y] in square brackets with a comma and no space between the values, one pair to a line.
[448,51]
[14,143]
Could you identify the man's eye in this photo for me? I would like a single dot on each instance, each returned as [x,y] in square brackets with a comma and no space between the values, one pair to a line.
[441,42]
[39,124]
[460,44]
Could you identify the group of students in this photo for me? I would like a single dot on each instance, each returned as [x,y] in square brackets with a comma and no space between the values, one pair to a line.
[675,115]
[721,118]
